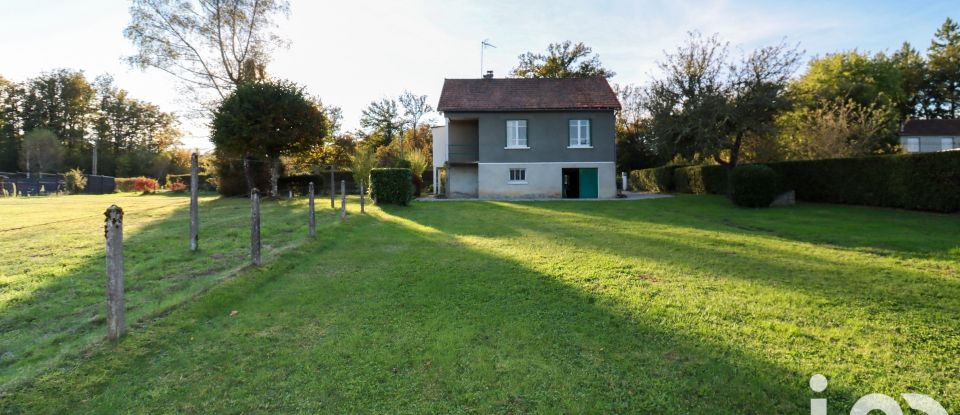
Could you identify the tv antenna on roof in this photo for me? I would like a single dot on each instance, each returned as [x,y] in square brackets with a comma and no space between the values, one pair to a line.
[483,45]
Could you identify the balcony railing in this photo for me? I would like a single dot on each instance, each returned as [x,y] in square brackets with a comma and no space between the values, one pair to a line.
[464,153]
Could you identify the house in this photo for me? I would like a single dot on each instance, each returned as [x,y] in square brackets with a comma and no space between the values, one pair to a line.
[527,138]
[925,136]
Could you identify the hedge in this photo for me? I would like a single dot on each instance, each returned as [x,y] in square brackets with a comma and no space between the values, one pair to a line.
[922,181]
[658,179]
[701,179]
[753,185]
[205,182]
[391,186]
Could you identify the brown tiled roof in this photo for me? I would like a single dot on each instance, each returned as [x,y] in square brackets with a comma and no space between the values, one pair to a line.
[931,127]
[526,94]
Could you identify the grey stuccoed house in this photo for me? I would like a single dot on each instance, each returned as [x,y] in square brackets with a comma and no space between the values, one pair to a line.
[520,138]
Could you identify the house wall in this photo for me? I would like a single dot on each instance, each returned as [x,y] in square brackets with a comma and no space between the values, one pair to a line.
[930,144]
[462,181]
[543,180]
[463,138]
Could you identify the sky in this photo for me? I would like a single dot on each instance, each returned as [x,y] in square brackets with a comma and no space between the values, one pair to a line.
[350,53]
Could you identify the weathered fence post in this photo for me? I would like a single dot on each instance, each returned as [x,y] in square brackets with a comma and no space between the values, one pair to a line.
[313,214]
[289,193]
[362,194]
[333,191]
[194,203]
[113,232]
[255,227]
[343,199]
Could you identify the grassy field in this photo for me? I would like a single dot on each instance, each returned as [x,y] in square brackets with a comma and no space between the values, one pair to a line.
[682,305]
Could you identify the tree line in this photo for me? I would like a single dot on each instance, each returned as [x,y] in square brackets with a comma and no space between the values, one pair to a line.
[51,123]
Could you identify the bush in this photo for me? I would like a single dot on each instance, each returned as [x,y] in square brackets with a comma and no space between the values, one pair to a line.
[176,186]
[701,179]
[207,184]
[75,181]
[659,179]
[391,186]
[924,181]
[145,185]
[124,184]
[753,185]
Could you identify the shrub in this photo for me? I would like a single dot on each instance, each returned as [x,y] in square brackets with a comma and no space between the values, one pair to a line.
[145,185]
[659,179]
[205,181]
[176,186]
[124,184]
[391,186]
[75,181]
[753,185]
[701,179]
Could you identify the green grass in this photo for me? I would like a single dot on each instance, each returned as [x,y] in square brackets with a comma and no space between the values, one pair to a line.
[682,305]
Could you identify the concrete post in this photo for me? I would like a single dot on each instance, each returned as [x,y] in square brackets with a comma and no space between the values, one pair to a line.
[113,232]
[363,195]
[289,193]
[343,199]
[312,222]
[93,161]
[333,191]
[623,181]
[194,203]
[255,227]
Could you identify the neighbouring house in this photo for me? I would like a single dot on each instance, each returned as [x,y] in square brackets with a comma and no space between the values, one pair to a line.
[527,138]
[927,136]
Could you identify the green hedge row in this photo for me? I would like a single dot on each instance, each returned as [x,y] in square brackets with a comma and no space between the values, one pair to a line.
[393,186]
[924,181]
[658,179]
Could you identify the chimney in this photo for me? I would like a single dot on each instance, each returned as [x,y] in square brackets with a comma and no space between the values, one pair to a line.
[488,75]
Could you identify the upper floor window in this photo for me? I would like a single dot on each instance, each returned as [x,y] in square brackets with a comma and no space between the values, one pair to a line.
[579,133]
[517,134]
[913,145]
[946,143]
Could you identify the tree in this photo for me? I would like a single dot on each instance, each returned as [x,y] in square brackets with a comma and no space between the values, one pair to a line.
[865,79]
[837,129]
[10,95]
[41,151]
[265,121]
[562,60]
[635,147]
[212,47]
[63,102]
[415,107]
[913,73]
[382,121]
[705,105]
[361,163]
[944,66]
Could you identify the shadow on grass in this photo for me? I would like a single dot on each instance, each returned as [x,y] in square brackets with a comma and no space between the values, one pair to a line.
[67,311]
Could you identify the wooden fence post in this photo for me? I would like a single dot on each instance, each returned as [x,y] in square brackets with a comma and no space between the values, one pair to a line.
[313,214]
[113,232]
[362,194]
[333,191]
[194,204]
[343,199]
[255,227]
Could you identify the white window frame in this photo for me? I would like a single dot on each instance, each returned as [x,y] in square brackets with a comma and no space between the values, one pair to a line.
[947,143]
[515,141]
[912,145]
[519,178]
[582,138]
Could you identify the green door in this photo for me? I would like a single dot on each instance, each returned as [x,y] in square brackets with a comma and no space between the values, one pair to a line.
[588,184]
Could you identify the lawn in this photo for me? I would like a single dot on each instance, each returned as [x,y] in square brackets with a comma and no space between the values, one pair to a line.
[681,305]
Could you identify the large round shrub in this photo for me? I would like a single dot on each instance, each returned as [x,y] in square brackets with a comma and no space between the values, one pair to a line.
[391,186]
[753,185]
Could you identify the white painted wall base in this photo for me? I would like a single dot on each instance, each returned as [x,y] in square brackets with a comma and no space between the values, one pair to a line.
[543,180]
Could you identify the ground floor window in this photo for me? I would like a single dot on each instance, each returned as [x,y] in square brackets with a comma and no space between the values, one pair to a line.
[518,175]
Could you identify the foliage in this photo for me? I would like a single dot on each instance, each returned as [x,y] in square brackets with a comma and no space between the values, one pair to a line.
[265,121]
[391,186]
[204,179]
[635,143]
[944,72]
[382,121]
[753,185]
[415,107]
[658,179]
[706,105]
[145,185]
[838,129]
[562,60]
[705,179]
[361,164]
[417,163]
[210,47]
[176,186]
[723,300]
[42,150]
[925,181]
[124,184]
[850,75]
[75,181]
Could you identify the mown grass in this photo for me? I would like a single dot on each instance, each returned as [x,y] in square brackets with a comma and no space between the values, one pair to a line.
[683,305]
[52,278]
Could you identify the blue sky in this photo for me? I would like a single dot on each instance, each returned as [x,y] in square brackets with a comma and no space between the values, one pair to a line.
[352,52]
